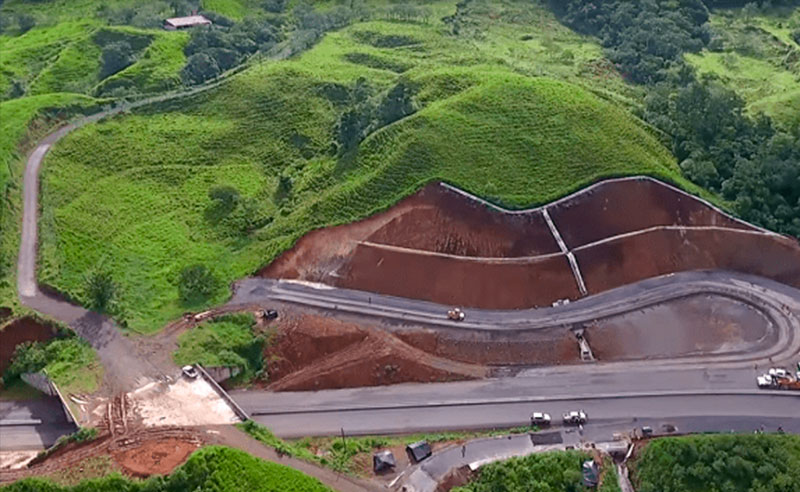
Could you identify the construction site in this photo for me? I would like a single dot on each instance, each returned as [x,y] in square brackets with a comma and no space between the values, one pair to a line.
[446,288]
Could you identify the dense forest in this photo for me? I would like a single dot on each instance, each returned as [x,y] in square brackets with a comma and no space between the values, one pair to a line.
[720,463]
[748,160]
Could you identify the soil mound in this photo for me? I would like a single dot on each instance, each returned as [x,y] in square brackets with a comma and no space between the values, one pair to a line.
[311,352]
[154,457]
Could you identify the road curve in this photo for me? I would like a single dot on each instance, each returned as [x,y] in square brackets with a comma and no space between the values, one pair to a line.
[779,303]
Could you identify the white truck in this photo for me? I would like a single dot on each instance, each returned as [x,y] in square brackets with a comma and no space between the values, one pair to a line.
[779,378]
[575,417]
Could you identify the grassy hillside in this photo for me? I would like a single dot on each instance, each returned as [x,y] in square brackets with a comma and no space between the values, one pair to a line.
[131,195]
[210,468]
[758,57]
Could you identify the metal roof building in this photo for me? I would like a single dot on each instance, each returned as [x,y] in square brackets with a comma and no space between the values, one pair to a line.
[185,22]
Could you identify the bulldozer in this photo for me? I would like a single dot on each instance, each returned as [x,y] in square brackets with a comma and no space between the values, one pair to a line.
[456,314]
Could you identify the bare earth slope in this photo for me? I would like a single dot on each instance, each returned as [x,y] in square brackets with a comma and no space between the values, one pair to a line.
[445,246]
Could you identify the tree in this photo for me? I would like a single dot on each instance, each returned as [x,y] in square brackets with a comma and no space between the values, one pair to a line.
[349,130]
[275,6]
[100,290]
[199,68]
[396,105]
[25,22]
[197,284]
[223,201]
[28,357]
[284,188]
[115,57]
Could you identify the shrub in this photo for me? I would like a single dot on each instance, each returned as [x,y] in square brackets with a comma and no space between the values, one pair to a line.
[25,22]
[115,57]
[199,68]
[100,291]
[197,284]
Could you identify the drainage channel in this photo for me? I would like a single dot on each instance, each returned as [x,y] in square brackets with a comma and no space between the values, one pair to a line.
[573,263]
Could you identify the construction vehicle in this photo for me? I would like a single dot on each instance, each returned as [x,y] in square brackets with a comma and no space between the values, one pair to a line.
[456,314]
[778,380]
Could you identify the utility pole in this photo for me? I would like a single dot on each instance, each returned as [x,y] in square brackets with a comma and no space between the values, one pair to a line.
[344,442]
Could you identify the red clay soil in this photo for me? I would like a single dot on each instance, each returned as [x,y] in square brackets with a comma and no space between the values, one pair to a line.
[653,253]
[311,352]
[489,284]
[443,221]
[139,453]
[441,246]
[18,331]
[154,457]
[434,219]
[618,207]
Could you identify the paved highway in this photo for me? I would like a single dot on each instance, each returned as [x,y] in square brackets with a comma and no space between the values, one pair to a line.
[32,424]
[714,385]
[509,401]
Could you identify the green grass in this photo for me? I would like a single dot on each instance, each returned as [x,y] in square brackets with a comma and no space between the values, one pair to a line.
[729,462]
[76,369]
[342,457]
[210,468]
[227,341]
[759,59]
[558,471]
[137,206]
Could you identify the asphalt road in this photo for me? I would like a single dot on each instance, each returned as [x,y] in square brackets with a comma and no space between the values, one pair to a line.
[508,403]
[32,424]
[705,386]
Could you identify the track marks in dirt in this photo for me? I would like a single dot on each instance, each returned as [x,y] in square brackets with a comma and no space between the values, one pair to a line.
[313,352]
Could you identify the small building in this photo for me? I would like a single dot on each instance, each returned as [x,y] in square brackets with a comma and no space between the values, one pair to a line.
[176,23]
[383,461]
[418,451]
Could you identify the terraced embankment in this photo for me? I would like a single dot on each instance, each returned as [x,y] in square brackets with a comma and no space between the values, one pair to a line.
[445,246]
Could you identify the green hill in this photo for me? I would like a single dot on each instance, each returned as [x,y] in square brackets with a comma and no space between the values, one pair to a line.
[131,196]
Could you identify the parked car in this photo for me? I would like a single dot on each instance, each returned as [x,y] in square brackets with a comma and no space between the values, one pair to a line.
[575,417]
[189,371]
[540,418]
